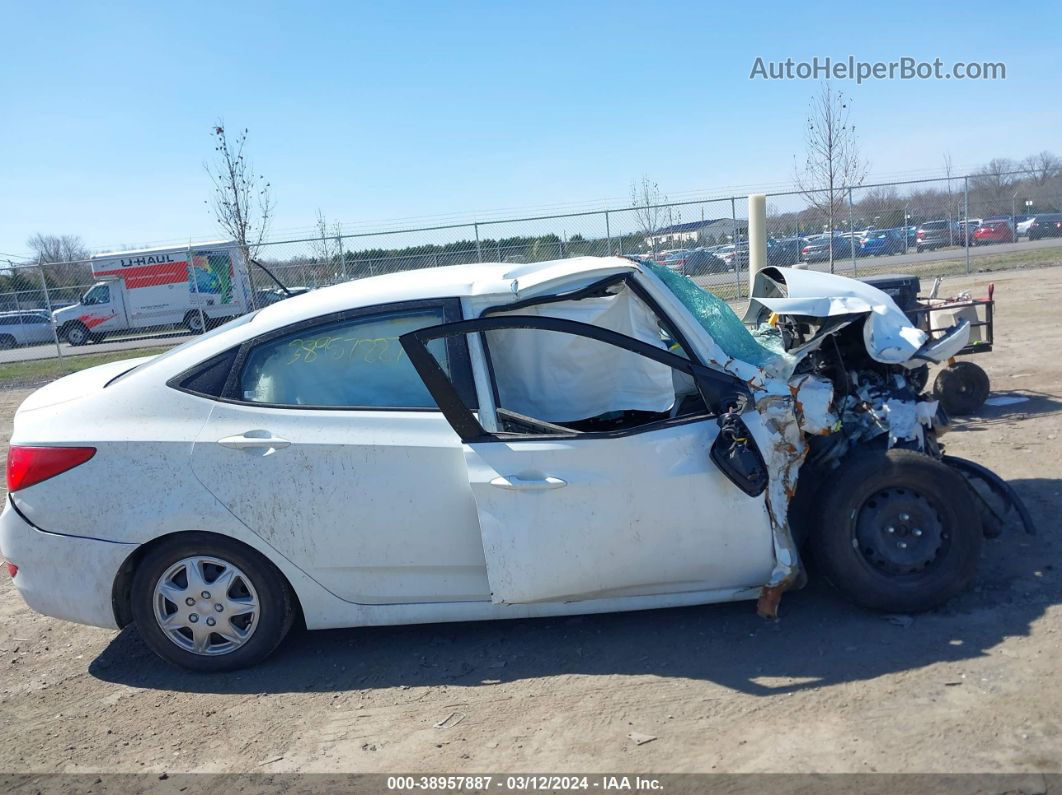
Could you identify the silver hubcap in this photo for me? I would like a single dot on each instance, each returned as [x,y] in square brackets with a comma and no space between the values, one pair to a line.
[206,605]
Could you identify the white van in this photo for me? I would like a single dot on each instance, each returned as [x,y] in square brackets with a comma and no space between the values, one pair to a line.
[159,287]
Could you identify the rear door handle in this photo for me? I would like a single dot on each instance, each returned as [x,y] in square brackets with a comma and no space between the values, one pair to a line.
[514,483]
[255,442]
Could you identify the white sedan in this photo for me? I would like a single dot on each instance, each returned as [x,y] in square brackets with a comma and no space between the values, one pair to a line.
[491,441]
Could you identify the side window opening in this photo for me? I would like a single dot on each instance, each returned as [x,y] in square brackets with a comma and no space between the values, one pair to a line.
[100,294]
[557,382]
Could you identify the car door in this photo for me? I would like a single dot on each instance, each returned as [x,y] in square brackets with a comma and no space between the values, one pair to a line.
[590,486]
[102,306]
[327,445]
[37,328]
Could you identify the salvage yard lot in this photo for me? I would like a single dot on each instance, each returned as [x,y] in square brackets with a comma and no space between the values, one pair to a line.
[975,686]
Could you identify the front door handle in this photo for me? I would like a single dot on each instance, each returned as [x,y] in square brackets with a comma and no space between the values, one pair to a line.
[254,440]
[514,483]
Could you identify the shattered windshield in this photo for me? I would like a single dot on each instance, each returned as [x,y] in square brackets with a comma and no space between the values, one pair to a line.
[718,319]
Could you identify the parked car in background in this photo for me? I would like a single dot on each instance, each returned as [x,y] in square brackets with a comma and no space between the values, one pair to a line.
[702,261]
[882,241]
[784,251]
[817,248]
[1021,229]
[28,327]
[966,230]
[269,297]
[993,232]
[936,234]
[1046,225]
[734,256]
[675,260]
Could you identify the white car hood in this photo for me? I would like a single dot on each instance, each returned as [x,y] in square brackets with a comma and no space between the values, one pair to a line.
[889,335]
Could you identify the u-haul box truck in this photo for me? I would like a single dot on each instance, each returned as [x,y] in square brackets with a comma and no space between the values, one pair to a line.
[159,287]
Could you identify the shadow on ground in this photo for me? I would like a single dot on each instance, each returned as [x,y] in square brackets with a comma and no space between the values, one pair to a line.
[988,415]
[820,640]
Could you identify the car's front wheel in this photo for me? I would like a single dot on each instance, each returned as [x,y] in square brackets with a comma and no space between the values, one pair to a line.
[208,603]
[77,334]
[898,531]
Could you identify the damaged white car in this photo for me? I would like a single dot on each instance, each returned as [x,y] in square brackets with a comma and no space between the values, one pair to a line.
[493,441]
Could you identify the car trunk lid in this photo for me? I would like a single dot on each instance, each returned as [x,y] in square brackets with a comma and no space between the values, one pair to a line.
[78,385]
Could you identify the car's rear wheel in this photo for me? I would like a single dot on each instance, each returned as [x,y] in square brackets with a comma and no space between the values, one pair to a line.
[898,531]
[6,342]
[208,603]
[195,322]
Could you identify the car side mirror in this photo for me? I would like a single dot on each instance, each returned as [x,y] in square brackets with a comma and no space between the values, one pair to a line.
[735,452]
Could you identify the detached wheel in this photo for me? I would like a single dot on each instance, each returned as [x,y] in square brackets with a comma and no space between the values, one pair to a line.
[898,531]
[210,604]
[194,322]
[962,388]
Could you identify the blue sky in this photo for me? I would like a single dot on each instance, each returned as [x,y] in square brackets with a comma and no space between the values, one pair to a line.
[414,109]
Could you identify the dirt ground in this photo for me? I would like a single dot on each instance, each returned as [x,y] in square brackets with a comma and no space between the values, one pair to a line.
[973,687]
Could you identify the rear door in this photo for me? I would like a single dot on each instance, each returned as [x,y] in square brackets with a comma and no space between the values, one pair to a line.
[327,445]
[588,486]
[37,328]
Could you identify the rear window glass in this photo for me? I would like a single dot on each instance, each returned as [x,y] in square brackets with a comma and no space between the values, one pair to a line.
[935,225]
[355,363]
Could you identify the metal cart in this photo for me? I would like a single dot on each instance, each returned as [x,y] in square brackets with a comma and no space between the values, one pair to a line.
[961,386]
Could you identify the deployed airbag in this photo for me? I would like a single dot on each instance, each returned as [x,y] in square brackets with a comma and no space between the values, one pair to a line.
[561,377]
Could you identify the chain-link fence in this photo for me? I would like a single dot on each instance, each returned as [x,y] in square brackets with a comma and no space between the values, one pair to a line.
[150,299]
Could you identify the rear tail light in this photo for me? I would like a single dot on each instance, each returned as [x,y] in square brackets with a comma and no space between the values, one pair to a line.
[27,466]
[12,569]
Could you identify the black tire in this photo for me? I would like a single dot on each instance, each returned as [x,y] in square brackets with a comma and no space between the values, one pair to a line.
[76,334]
[919,249]
[275,600]
[867,497]
[194,322]
[7,342]
[961,388]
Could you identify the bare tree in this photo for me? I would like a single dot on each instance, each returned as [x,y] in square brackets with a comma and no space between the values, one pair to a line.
[57,248]
[328,248]
[994,186]
[1044,167]
[951,199]
[65,256]
[647,201]
[242,204]
[833,162]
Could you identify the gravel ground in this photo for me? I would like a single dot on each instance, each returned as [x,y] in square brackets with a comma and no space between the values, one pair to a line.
[973,687]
